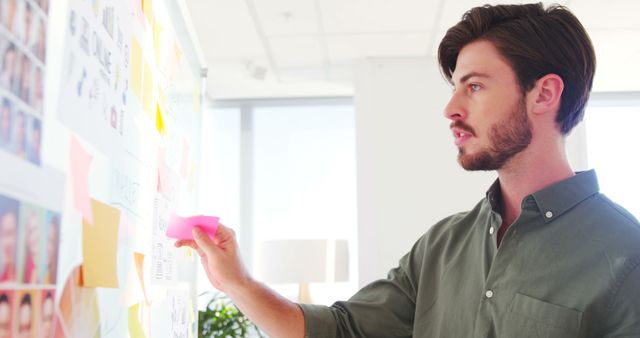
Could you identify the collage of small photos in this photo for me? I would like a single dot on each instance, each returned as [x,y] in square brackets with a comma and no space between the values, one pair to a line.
[29,241]
[23,35]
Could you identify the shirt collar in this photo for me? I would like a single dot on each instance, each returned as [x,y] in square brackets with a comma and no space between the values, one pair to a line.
[555,199]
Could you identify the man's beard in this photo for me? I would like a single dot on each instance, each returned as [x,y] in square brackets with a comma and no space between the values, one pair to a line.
[508,138]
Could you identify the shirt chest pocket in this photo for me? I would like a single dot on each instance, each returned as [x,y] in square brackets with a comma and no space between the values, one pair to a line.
[532,318]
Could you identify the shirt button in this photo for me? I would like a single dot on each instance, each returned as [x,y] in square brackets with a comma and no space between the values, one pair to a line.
[491,231]
[548,214]
[488,294]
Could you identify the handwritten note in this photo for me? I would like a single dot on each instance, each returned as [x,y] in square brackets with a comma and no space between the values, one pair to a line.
[80,162]
[181,227]
[99,247]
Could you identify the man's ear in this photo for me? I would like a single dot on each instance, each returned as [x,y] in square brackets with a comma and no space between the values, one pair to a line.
[547,94]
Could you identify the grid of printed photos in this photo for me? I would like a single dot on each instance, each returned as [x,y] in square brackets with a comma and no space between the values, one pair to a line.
[23,32]
[29,243]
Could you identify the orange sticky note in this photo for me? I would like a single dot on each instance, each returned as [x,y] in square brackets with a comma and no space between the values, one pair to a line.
[80,162]
[99,247]
[136,68]
[147,91]
[139,262]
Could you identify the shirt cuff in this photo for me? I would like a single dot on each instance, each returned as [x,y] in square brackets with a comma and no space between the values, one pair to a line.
[319,321]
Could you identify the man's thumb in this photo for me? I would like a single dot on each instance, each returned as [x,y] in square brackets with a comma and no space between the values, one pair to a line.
[203,240]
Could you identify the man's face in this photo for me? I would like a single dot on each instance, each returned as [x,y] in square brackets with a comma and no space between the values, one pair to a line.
[24,321]
[487,109]
[47,316]
[5,320]
[8,226]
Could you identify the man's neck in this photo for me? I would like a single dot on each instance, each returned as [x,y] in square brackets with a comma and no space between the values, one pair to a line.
[527,173]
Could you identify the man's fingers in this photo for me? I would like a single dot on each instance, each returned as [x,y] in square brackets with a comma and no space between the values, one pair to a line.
[202,240]
[185,242]
[191,244]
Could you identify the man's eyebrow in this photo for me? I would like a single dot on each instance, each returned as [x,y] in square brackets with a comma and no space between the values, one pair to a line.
[472,74]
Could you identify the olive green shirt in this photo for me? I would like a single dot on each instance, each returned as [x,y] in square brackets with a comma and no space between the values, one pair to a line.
[567,267]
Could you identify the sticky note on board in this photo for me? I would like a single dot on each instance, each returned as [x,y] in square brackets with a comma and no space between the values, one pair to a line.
[147,92]
[135,65]
[147,8]
[181,227]
[135,327]
[100,246]
[157,41]
[80,162]
[139,261]
[159,120]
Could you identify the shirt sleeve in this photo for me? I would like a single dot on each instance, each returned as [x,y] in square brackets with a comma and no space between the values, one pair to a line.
[384,308]
[624,312]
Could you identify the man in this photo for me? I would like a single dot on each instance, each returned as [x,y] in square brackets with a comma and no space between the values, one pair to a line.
[543,255]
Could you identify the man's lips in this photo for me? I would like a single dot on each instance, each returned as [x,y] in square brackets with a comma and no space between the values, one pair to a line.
[461,135]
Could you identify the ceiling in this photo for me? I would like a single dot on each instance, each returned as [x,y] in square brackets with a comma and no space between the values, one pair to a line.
[304,48]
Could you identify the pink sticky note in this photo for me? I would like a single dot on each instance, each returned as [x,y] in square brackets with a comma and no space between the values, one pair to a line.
[181,227]
[80,162]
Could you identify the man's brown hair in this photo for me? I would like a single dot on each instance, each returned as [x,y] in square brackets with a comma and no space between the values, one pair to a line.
[535,41]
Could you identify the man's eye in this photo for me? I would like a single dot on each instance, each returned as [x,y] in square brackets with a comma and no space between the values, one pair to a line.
[474,87]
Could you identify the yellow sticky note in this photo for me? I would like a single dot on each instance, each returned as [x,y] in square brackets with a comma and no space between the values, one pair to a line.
[147,8]
[147,96]
[157,40]
[159,120]
[135,65]
[99,247]
[135,328]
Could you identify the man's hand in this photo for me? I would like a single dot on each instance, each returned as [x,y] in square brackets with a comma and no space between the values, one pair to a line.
[276,315]
[220,258]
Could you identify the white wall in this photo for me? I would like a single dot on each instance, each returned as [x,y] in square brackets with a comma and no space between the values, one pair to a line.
[408,176]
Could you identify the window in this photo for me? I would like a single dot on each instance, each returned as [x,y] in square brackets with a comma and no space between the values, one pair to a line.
[612,149]
[283,170]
